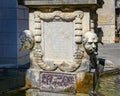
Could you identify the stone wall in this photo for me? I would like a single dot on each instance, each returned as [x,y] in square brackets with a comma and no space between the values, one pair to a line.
[22,24]
[8,27]
[106,21]
[12,22]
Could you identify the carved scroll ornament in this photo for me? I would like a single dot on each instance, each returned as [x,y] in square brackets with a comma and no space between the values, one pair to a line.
[37,53]
[68,17]
[65,16]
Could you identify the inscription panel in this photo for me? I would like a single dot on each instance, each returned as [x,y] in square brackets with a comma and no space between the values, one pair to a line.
[58,40]
[58,82]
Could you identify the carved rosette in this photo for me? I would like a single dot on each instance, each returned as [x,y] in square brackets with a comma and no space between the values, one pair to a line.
[76,18]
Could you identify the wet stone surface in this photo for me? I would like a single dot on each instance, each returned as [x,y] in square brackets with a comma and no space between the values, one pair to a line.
[110,85]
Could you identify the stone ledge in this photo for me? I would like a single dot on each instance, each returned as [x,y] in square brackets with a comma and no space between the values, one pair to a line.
[59,2]
[36,92]
[14,66]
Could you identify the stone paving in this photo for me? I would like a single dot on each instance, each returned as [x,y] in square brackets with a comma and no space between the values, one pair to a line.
[110,52]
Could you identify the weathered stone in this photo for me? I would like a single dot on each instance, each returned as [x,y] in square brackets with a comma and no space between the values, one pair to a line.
[57,2]
[57,82]
[36,92]
[106,21]
[64,44]
[60,82]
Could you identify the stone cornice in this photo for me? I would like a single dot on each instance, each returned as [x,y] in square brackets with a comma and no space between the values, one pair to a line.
[80,3]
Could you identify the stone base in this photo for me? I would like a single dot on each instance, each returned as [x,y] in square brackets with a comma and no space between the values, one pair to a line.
[86,84]
[35,92]
[60,82]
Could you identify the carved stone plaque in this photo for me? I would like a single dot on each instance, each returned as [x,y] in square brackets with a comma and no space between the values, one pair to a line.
[58,41]
[58,82]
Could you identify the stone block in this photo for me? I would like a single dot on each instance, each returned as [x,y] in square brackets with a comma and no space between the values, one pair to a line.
[22,12]
[26,13]
[62,48]
[9,26]
[8,51]
[86,22]
[57,82]
[82,82]
[86,84]
[1,4]
[9,13]
[8,60]
[0,25]
[108,35]
[7,39]
[106,19]
[9,3]
[22,25]
[57,2]
[35,92]
[1,14]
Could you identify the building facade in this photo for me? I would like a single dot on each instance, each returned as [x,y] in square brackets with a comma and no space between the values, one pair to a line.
[106,21]
[117,9]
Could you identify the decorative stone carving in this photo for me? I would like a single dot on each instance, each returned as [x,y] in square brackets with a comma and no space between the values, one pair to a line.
[90,40]
[26,40]
[83,45]
[75,16]
[59,15]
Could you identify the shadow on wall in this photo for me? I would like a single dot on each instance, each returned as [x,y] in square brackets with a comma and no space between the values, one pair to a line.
[21,2]
[13,78]
[100,34]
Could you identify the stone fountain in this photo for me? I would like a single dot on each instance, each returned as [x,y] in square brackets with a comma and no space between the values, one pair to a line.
[62,39]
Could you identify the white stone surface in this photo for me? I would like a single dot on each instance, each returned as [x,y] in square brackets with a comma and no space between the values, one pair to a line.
[58,40]
[55,34]
[86,22]
[106,20]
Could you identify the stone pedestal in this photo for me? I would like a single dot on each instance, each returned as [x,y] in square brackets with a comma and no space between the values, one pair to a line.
[60,82]
[63,44]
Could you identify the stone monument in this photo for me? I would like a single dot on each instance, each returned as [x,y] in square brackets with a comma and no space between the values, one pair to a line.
[63,43]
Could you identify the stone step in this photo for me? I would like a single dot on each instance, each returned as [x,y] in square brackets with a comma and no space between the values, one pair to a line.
[35,92]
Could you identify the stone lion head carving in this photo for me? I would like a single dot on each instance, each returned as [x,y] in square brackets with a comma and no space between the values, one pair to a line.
[26,39]
[90,40]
